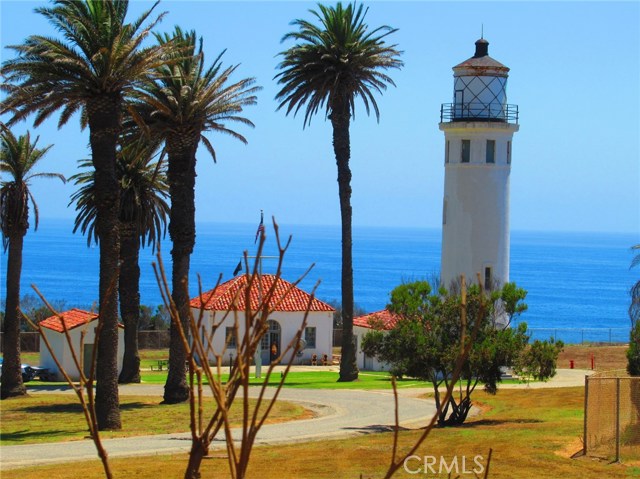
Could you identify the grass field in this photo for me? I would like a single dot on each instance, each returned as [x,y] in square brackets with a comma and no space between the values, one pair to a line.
[58,417]
[532,433]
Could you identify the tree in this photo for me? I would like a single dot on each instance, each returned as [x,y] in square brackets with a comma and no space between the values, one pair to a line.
[185,101]
[92,70]
[539,359]
[425,343]
[18,158]
[633,353]
[143,213]
[328,68]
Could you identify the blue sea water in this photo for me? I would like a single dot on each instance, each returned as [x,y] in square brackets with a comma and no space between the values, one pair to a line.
[578,283]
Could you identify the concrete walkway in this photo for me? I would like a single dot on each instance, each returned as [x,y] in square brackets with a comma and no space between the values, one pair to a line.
[338,413]
[564,378]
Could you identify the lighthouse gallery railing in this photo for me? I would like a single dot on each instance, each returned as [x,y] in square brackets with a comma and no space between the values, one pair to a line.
[477,111]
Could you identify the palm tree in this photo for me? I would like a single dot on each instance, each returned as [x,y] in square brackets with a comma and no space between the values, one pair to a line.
[18,157]
[143,213]
[92,70]
[186,100]
[328,68]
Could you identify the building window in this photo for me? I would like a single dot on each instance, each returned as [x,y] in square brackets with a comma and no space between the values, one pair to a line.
[231,339]
[444,211]
[488,279]
[508,152]
[310,336]
[491,151]
[446,153]
[465,152]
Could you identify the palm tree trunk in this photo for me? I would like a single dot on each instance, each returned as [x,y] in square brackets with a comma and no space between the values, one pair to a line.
[12,384]
[129,291]
[181,150]
[104,126]
[341,145]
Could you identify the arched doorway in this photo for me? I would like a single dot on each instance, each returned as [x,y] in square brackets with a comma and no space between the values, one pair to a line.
[271,338]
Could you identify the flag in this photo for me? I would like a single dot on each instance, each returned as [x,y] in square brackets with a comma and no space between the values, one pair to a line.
[260,227]
[238,268]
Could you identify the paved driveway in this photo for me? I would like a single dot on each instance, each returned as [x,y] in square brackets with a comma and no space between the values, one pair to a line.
[339,413]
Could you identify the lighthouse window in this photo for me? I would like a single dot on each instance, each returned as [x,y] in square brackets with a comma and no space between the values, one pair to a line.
[508,152]
[487,278]
[444,212]
[491,151]
[446,153]
[465,153]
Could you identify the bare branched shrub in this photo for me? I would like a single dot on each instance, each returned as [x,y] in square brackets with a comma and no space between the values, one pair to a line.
[205,363]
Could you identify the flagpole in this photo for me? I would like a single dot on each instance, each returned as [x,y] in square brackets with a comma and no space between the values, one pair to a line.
[258,355]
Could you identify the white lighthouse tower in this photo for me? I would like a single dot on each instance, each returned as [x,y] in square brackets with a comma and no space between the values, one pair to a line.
[478,128]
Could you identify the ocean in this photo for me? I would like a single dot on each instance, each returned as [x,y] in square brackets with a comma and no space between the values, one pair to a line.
[578,283]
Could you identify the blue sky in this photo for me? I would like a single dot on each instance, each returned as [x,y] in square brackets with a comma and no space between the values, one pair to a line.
[575,74]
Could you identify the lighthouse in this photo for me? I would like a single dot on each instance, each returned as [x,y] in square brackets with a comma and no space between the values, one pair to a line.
[478,129]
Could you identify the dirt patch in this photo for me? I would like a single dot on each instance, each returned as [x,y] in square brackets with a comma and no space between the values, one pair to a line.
[604,357]
[571,449]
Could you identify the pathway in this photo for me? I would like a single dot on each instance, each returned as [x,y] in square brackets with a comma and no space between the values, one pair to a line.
[339,413]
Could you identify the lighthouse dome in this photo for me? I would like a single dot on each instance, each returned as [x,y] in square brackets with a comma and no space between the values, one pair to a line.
[480,87]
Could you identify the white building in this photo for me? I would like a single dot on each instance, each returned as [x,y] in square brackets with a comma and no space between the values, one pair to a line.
[288,305]
[78,323]
[381,320]
[478,128]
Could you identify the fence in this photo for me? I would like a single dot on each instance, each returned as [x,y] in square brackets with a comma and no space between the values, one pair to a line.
[30,341]
[612,416]
[582,335]
[567,335]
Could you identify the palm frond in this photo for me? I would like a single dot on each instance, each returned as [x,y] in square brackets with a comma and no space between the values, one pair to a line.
[18,157]
[335,62]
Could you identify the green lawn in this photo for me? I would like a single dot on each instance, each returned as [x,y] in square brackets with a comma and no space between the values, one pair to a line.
[311,380]
[320,379]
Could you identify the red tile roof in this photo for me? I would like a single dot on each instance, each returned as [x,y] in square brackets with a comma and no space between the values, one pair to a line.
[385,318]
[223,297]
[72,318]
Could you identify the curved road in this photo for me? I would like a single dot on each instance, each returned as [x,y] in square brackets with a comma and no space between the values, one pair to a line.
[338,413]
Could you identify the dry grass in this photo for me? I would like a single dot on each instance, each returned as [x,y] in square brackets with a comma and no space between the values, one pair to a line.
[56,418]
[532,433]
[605,357]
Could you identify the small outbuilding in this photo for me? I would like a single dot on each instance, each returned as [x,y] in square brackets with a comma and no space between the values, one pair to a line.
[77,322]
[383,320]
[288,305]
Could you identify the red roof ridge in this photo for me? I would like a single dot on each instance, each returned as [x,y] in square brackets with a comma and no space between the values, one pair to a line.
[287,297]
[384,318]
[72,318]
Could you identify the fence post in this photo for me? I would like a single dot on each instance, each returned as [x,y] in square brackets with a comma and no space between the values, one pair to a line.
[617,420]
[586,409]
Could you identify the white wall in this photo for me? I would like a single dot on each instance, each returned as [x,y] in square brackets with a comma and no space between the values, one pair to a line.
[366,364]
[476,194]
[289,324]
[62,350]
